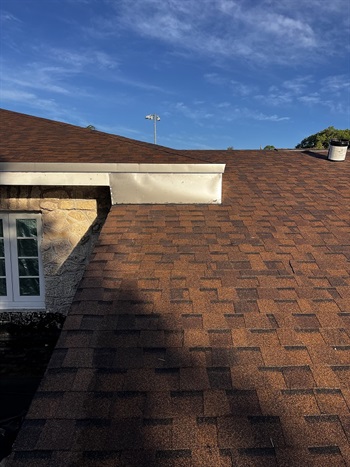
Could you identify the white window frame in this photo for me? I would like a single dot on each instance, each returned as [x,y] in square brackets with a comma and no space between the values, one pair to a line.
[13,299]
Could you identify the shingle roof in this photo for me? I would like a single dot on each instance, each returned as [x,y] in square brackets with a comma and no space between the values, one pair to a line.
[24,138]
[210,335]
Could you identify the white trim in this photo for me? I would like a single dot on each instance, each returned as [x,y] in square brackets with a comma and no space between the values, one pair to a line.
[156,188]
[70,167]
[7,253]
[129,183]
[13,299]
[54,179]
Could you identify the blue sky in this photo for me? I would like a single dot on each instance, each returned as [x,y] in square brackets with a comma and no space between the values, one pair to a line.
[219,73]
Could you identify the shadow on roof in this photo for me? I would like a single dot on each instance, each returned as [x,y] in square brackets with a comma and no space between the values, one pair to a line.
[317,155]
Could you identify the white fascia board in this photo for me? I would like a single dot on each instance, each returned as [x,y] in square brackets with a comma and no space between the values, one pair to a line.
[68,167]
[54,178]
[129,183]
[164,188]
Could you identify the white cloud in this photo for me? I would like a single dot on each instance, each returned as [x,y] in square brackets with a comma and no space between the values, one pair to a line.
[242,89]
[237,87]
[212,114]
[337,83]
[254,114]
[47,107]
[297,85]
[287,30]
[119,78]
[28,98]
[198,115]
[81,58]
[36,76]
[329,92]
[275,97]
[265,31]
[55,71]
[228,6]
[286,92]
[270,118]
[223,105]
[10,26]
[319,7]
[311,99]
[6,17]
[332,105]
[215,78]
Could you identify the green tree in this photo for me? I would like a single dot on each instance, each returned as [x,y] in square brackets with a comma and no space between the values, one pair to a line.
[269,146]
[322,139]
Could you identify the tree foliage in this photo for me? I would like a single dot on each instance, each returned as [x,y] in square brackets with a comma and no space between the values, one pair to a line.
[322,139]
[269,147]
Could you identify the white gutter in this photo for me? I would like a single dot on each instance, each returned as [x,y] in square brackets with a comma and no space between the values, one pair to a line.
[129,183]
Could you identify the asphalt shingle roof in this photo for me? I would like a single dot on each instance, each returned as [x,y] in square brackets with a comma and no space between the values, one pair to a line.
[25,138]
[214,335]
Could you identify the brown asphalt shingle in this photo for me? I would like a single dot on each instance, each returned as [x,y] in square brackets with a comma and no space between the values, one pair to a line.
[25,138]
[209,335]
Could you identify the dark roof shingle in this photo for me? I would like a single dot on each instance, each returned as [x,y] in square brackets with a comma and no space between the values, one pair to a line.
[209,335]
[24,138]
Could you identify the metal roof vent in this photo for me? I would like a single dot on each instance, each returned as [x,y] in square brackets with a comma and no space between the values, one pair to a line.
[337,149]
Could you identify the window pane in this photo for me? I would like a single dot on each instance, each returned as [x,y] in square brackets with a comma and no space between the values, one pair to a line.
[2,267]
[2,250]
[29,286]
[2,286]
[28,267]
[1,229]
[26,227]
[27,247]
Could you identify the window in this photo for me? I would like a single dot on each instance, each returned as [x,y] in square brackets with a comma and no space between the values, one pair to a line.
[21,274]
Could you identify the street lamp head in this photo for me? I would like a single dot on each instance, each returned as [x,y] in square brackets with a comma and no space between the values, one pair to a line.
[155,119]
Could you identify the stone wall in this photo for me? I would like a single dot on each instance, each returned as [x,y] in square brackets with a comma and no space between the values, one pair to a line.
[71,221]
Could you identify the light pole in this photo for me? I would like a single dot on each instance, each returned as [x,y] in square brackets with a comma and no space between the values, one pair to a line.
[155,119]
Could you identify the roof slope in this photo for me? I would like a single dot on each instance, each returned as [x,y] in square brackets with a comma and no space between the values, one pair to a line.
[24,138]
[200,335]
[210,335]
